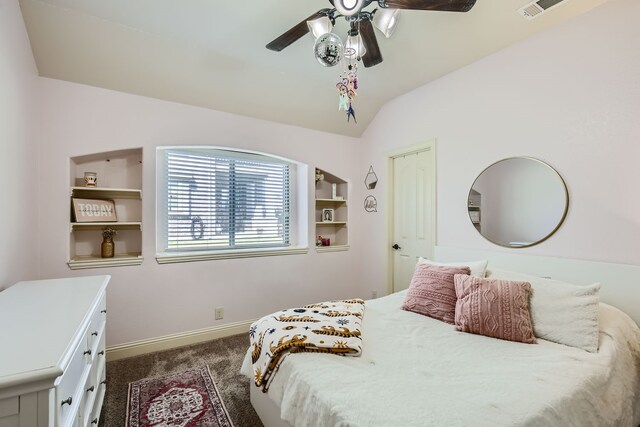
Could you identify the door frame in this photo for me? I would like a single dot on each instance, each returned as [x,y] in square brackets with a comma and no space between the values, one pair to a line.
[430,144]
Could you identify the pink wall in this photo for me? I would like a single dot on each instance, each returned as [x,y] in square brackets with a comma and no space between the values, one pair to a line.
[569,96]
[18,157]
[154,300]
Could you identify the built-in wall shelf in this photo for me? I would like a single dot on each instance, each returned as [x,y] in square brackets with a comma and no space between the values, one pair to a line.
[335,248]
[82,262]
[106,193]
[120,225]
[119,179]
[331,201]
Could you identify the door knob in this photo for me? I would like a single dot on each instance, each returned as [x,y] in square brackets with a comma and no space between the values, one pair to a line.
[396,247]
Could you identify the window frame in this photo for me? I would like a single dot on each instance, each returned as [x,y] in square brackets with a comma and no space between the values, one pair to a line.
[298,209]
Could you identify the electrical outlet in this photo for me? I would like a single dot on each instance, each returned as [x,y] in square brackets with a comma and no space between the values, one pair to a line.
[374,294]
[219,313]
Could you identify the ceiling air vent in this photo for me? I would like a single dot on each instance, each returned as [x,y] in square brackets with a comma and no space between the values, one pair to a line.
[537,8]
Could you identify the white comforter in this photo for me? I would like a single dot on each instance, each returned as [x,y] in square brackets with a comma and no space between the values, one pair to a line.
[416,371]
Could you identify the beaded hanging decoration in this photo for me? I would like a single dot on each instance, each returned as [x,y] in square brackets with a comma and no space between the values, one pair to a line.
[347,86]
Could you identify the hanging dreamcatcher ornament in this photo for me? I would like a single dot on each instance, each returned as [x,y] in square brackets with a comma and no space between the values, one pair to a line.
[347,86]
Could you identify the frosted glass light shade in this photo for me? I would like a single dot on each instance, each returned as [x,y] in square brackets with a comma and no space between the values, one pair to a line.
[386,20]
[320,26]
[354,47]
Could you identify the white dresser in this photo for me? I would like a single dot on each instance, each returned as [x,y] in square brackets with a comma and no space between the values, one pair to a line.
[52,352]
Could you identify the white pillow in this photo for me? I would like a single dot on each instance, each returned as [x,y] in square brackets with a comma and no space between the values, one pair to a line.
[561,312]
[477,268]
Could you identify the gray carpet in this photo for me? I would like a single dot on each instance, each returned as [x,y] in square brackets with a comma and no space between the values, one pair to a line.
[224,358]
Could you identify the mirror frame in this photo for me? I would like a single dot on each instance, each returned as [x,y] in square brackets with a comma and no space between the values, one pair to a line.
[552,232]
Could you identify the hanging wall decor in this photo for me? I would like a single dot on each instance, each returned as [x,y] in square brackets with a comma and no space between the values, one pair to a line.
[371,179]
[370,204]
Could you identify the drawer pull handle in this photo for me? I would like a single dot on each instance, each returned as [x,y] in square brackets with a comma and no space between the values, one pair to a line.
[101,353]
[95,334]
[87,352]
[103,382]
[94,421]
[91,388]
[67,401]
[103,311]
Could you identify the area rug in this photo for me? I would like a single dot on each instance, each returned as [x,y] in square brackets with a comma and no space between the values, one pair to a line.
[185,399]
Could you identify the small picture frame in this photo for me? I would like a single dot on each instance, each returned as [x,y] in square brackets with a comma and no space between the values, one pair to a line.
[327,215]
[94,210]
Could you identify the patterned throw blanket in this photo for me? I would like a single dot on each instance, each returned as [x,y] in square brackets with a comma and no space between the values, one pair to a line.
[327,327]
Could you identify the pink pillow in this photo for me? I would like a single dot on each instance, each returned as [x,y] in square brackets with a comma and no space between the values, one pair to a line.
[432,293]
[494,308]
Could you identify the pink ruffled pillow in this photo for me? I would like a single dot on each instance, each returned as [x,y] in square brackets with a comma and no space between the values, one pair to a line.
[494,308]
[432,293]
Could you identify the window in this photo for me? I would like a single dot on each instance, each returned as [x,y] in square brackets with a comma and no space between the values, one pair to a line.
[221,200]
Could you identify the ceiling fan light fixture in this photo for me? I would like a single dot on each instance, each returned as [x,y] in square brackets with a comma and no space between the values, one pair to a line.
[354,47]
[320,26]
[386,20]
[348,7]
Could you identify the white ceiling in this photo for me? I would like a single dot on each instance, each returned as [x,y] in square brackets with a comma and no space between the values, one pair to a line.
[211,53]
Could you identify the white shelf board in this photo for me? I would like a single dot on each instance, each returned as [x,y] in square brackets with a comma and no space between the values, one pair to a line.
[82,262]
[106,193]
[100,225]
[334,248]
[331,223]
[330,201]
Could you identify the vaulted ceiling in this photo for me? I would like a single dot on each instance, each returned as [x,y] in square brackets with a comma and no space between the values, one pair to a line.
[210,53]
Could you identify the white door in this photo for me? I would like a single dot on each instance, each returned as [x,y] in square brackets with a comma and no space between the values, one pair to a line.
[414,212]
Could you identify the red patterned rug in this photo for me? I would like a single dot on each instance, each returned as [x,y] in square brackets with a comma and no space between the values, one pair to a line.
[185,399]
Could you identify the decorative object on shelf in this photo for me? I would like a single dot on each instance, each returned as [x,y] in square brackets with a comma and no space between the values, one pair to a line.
[94,210]
[107,248]
[334,191]
[319,176]
[370,204]
[347,86]
[90,179]
[371,179]
[319,241]
[327,215]
[326,242]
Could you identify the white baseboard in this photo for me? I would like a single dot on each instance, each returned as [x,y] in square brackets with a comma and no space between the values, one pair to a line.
[168,342]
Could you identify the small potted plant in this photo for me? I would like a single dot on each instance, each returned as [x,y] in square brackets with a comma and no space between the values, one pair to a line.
[107,249]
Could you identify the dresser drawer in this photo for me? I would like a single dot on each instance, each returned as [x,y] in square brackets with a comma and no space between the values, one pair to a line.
[69,388]
[98,319]
[9,406]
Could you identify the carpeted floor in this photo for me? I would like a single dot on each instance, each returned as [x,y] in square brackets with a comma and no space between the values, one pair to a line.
[224,358]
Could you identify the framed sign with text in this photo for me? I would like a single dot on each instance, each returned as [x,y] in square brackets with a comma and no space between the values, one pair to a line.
[94,210]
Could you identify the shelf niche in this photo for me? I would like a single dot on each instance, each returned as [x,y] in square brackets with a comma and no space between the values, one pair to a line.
[325,198]
[119,178]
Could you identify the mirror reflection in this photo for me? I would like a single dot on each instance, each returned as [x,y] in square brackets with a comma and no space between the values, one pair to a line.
[518,202]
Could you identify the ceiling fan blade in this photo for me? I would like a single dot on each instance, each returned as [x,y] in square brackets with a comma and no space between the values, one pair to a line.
[439,5]
[294,33]
[372,56]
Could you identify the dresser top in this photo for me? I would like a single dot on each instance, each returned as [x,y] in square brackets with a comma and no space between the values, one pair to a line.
[40,325]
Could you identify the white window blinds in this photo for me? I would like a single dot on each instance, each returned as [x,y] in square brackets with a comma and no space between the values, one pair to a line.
[218,200]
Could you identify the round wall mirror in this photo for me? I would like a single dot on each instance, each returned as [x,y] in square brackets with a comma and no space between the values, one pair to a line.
[518,202]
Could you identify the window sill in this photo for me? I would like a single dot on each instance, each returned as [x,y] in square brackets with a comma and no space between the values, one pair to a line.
[166,258]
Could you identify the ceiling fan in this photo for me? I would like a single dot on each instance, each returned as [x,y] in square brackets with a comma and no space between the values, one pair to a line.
[361,40]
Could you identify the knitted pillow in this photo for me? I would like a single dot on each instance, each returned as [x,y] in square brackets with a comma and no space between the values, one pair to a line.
[432,293]
[494,308]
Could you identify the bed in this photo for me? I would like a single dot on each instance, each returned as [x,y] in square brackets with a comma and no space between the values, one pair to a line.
[418,371]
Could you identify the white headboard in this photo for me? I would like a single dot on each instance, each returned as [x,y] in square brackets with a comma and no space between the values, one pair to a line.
[620,282]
